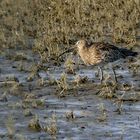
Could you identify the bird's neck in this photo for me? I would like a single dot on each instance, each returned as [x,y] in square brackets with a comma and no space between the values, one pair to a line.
[82,50]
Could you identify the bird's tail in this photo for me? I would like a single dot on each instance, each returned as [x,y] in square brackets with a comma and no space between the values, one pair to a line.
[127,52]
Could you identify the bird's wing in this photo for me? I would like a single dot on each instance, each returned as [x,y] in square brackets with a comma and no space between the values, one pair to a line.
[106,47]
[122,52]
[109,52]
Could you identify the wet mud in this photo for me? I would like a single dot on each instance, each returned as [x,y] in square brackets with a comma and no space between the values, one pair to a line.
[51,103]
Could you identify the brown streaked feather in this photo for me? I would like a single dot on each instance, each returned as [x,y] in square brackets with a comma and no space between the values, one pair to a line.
[101,52]
[109,52]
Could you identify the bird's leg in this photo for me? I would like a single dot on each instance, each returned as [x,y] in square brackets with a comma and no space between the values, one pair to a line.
[101,74]
[98,72]
[114,73]
[115,77]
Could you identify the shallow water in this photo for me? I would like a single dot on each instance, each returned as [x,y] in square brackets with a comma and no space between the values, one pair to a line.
[95,117]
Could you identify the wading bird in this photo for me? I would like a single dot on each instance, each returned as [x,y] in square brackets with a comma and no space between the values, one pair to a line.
[101,53]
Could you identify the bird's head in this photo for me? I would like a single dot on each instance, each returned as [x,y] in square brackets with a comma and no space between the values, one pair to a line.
[80,44]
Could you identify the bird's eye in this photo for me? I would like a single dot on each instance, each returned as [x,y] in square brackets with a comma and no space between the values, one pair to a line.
[78,42]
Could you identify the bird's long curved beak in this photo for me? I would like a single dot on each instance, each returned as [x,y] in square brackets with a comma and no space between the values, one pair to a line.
[68,50]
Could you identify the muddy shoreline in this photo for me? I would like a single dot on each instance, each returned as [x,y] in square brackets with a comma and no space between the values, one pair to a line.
[69,106]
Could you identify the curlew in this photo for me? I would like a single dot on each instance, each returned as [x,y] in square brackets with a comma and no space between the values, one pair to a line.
[101,53]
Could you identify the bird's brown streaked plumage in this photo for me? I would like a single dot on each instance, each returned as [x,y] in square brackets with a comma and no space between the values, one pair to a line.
[101,52]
